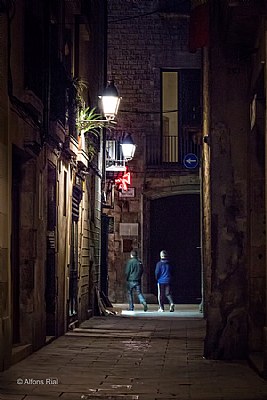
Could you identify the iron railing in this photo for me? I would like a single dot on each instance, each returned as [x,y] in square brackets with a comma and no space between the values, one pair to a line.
[172,149]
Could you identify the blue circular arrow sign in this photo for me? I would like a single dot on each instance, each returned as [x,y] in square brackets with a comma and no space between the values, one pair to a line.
[190,161]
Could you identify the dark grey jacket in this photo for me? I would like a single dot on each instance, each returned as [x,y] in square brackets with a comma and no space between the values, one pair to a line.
[134,270]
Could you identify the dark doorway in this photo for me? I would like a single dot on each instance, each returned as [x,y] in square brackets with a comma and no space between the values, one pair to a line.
[74,250]
[51,287]
[15,244]
[175,227]
[104,254]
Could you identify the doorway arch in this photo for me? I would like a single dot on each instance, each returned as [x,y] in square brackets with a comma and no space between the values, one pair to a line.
[175,226]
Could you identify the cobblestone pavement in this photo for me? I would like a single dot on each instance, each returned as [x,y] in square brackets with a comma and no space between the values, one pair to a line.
[138,356]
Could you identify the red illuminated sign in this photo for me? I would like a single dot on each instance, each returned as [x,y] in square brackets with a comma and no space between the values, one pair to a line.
[124,181]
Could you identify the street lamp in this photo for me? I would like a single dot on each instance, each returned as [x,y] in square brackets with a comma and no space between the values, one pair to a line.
[110,101]
[128,147]
[89,121]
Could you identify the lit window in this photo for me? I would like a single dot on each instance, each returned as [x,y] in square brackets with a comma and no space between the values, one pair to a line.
[180,112]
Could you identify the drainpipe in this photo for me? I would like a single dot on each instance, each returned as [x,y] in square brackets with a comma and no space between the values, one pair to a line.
[47,73]
[103,260]
[265,328]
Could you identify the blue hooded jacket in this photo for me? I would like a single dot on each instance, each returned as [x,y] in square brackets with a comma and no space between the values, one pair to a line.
[163,272]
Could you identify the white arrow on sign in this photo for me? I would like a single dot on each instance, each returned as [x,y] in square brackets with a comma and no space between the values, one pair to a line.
[189,160]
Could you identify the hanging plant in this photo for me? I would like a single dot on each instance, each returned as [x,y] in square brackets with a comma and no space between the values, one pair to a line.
[91,151]
[79,85]
[89,121]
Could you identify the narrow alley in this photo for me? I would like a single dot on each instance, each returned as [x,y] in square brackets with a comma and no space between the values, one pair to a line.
[133,136]
[133,356]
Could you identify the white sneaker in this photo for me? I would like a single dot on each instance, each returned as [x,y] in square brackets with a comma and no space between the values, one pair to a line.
[172,308]
[160,310]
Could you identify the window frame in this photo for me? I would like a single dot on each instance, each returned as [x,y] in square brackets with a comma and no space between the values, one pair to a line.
[188,122]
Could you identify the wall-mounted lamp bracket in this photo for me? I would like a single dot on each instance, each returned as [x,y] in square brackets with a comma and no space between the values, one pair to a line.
[97,123]
[206,139]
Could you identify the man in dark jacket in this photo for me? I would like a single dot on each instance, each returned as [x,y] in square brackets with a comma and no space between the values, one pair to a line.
[134,271]
[163,274]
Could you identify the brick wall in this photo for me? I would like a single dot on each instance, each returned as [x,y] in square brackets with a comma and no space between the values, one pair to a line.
[141,41]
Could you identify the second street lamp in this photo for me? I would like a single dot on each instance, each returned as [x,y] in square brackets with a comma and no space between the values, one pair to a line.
[128,147]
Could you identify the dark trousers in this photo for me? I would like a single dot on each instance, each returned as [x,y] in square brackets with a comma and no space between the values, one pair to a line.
[164,290]
[131,286]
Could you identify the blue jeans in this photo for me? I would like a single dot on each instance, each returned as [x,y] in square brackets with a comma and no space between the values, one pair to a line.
[131,286]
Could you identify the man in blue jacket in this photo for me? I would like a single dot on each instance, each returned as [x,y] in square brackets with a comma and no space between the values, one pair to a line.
[134,271]
[163,273]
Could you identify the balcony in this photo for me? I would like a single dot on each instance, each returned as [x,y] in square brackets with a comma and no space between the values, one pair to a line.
[114,158]
[170,151]
[115,165]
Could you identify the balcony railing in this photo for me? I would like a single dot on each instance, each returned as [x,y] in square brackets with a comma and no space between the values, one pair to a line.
[171,150]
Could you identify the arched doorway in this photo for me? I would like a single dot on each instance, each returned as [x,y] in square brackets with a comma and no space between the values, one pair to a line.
[175,226]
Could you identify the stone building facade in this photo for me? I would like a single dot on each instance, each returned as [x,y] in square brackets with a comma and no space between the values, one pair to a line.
[52,61]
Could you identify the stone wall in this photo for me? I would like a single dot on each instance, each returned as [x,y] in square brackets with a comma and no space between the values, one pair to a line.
[227,318]
[257,201]
[35,257]
[5,311]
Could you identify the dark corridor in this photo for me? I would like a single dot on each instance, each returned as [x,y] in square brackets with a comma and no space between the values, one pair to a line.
[175,227]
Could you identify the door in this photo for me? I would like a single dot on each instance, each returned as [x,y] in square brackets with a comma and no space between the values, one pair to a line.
[15,243]
[51,286]
[175,227]
[74,259]
[104,254]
